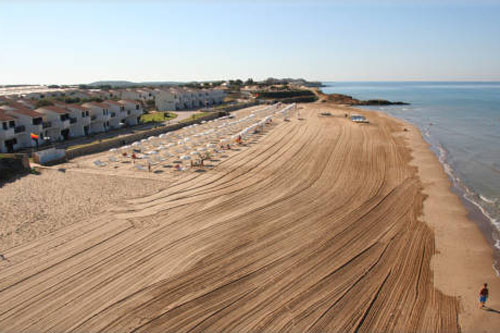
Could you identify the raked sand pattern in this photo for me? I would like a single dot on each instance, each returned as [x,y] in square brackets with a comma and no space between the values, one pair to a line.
[312,227]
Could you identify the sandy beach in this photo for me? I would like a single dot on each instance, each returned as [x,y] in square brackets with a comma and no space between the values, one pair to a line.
[318,224]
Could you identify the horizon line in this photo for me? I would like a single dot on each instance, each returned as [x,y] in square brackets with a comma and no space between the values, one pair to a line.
[215,80]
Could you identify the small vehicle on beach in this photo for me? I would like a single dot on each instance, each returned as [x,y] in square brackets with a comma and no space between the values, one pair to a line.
[357,118]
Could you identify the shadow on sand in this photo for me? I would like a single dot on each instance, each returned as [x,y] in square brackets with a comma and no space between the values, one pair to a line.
[485,308]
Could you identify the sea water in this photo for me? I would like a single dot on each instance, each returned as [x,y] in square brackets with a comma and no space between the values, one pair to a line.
[461,121]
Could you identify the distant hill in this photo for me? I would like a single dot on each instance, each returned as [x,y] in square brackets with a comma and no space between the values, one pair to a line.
[125,84]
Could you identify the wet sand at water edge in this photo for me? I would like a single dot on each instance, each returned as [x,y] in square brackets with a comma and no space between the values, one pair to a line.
[319,224]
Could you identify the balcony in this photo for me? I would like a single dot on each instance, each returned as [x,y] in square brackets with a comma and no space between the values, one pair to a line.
[93,118]
[19,129]
[46,124]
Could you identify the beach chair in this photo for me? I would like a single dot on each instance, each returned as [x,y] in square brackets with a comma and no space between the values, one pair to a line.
[99,163]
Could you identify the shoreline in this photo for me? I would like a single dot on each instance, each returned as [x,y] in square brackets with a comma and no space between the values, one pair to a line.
[464,257]
[364,228]
[476,213]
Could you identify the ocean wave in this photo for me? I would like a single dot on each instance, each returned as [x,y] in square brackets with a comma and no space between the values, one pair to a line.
[467,193]
[472,197]
[495,268]
[485,199]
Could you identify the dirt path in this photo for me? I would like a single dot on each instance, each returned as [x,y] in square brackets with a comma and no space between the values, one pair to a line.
[314,227]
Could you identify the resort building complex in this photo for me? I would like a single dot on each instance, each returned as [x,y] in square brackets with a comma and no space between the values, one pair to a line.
[24,125]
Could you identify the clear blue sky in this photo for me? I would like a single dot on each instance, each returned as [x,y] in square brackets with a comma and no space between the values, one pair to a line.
[85,41]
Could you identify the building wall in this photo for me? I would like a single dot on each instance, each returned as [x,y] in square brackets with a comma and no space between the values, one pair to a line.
[165,102]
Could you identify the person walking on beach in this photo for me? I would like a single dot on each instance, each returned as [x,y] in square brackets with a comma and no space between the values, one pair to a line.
[483,295]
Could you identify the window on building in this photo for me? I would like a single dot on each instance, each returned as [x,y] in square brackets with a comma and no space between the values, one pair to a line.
[4,125]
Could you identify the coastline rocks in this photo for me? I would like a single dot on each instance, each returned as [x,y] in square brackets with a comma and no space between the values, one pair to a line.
[382,102]
[349,100]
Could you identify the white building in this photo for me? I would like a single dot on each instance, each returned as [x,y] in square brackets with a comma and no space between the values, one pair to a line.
[26,122]
[216,96]
[117,112]
[79,119]
[146,94]
[8,142]
[176,98]
[99,116]
[133,110]
[129,94]
[57,122]
[165,100]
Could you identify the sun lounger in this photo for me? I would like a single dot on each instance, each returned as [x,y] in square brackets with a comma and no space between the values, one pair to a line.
[99,163]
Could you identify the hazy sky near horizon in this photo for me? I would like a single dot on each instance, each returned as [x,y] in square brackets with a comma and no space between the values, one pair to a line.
[66,42]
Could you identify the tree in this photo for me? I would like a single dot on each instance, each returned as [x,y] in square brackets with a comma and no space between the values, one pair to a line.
[249,82]
[43,102]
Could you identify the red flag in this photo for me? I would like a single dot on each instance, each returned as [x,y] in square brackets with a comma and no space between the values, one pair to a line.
[34,136]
